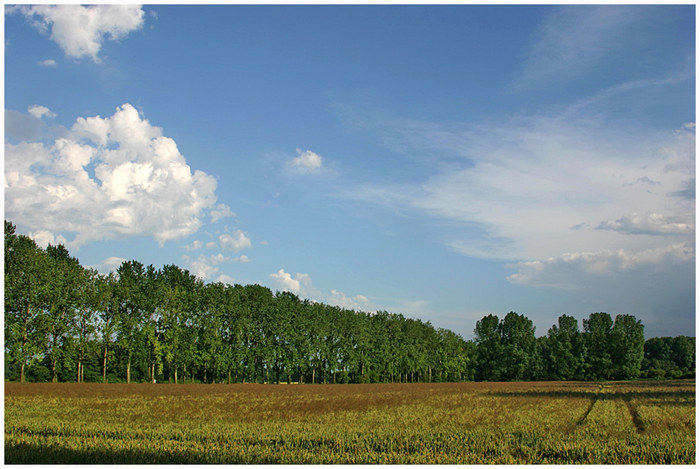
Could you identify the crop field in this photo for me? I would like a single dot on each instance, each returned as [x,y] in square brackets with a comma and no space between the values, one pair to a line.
[465,423]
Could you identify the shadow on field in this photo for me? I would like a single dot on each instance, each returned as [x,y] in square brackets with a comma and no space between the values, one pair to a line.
[672,398]
[25,453]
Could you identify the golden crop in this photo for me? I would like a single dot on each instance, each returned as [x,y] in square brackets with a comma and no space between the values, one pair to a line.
[464,423]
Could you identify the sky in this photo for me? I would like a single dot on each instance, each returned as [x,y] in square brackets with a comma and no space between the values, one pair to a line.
[442,162]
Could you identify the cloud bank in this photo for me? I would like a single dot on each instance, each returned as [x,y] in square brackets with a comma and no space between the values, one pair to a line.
[107,178]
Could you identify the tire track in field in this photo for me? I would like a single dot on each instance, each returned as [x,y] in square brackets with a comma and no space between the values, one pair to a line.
[636,419]
[594,399]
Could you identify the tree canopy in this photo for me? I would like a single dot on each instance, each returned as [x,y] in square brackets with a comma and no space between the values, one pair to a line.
[64,322]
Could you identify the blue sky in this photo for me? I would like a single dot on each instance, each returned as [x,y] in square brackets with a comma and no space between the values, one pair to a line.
[444,162]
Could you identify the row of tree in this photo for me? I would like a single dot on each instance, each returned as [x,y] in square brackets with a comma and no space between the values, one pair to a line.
[64,322]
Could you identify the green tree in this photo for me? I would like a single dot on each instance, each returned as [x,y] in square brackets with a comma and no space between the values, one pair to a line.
[26,280]
[566,354]
[63,286]
[487,337]
[84,322]
[517,346]
[597,338]
[627,344]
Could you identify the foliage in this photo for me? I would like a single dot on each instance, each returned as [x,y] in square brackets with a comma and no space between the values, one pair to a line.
[141,324]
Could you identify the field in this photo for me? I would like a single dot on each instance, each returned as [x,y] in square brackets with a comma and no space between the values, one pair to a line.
[466,423]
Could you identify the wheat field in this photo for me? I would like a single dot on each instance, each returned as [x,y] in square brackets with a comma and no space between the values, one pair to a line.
[441,423]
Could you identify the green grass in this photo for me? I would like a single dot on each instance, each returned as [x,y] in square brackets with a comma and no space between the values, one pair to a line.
[469,423]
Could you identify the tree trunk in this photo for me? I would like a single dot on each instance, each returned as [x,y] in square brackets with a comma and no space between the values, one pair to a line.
[229,376]
[80,365]
[24,347]
[176,373]
[313,375]
[128,370]
[104,366]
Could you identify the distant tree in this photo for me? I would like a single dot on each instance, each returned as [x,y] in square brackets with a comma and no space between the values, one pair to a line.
[107,317]
[517,346]
[84,322]
[597,338]
[489,350]
[566,354]
[683,353]
[26,280]
[627,346]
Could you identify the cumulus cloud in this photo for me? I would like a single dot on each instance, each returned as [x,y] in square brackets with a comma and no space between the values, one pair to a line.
[196,244]
[81,30]
[357,302]
[106,178]
[22,127]
[307,161]
[221,211]
[40,111]
[299,284]
[47,63]
[110,264]
[235,242]
[43,238]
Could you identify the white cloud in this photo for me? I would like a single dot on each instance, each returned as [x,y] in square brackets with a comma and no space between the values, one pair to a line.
[206,267]
[22,127]
[647,223]
[108,177]
[223,278]
[43,238]
[196,244]
[47,63]
[515,191]
[242,258]
[236,242]
[357,302]
[572,40]
[110,264]
[221,211]
[307,161]
[40,111]
[299,284]
[81,30]
[571,271]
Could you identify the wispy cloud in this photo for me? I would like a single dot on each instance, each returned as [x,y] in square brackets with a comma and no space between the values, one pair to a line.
[573,40]
[521,186]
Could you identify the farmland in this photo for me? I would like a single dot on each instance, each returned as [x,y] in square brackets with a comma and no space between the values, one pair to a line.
[465,423]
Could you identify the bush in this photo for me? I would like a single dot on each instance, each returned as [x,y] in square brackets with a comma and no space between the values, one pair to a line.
[38,374]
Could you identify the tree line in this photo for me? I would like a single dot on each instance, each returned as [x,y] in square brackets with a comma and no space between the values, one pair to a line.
[65,322]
